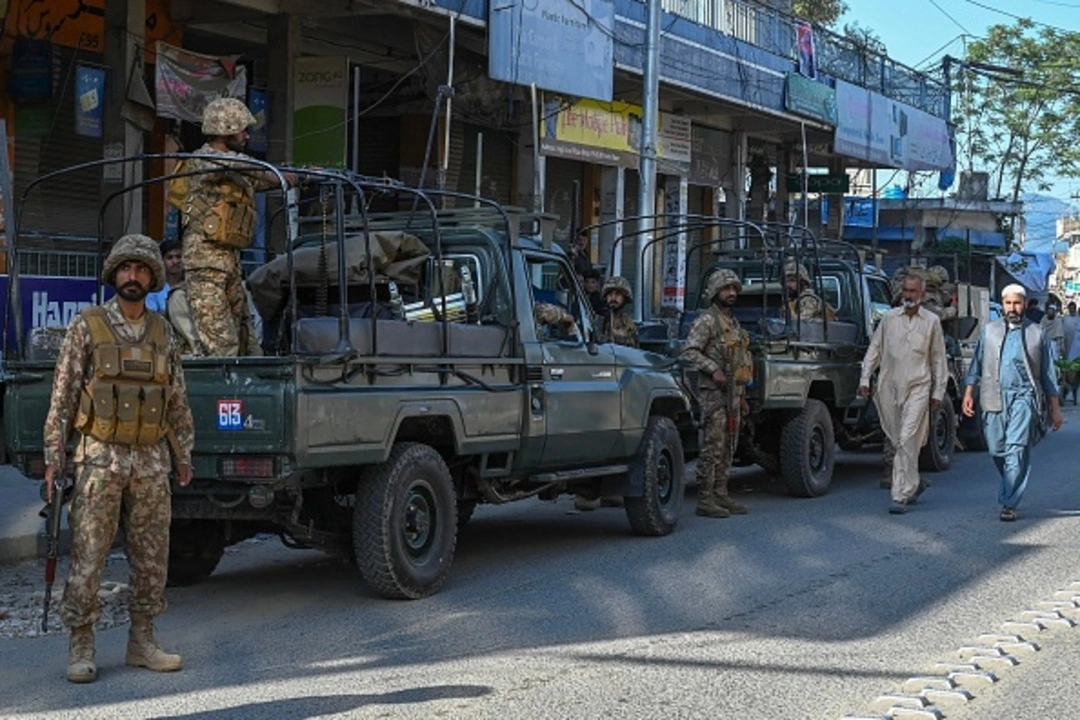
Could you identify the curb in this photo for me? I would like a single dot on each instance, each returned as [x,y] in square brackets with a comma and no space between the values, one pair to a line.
[21,548]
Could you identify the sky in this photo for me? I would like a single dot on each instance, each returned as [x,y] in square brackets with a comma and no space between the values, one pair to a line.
[918,33]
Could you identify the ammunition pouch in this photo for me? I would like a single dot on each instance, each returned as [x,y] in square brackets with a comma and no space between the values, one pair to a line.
[231,220]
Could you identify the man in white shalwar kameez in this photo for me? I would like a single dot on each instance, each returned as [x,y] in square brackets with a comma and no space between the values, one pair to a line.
[909,348]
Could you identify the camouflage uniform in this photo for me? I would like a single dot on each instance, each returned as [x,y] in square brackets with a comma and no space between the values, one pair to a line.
[617,326]
[717,342]
[938,297]
[807,305]
[212,270]
[111,478]
[548,314]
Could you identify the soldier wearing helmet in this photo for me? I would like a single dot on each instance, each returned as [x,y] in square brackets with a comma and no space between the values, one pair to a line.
[616,324]
[718,348]
[118,383]
[802,301]
[939,291]
[218,215]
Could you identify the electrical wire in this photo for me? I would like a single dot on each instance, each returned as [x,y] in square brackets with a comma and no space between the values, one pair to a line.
[954,20]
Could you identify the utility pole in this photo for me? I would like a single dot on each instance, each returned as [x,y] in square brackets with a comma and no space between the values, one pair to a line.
[647,166]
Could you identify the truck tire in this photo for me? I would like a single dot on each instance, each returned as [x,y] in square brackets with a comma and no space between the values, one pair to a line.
[808,451]
[195,549]
[405,523]
[937,454]
[660,469]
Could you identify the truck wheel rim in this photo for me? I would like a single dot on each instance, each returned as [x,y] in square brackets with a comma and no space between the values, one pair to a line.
[420,519]
[817,449]
[665,477]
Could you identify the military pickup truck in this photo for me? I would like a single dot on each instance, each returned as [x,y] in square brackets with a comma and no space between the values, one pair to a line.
[804,398]
[390,405]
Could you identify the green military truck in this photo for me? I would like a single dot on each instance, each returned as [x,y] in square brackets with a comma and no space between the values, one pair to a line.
[391,403]
[804,398]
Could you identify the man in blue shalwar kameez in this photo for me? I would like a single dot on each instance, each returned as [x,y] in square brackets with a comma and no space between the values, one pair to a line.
[1014,369]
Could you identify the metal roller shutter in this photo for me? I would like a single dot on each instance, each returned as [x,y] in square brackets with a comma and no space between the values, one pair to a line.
[496,175]
[68,206]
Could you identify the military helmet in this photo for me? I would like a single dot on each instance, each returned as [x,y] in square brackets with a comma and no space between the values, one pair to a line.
[137,248]
[226,116]
[619,284]
[720,280]
[791,269]
[937,275]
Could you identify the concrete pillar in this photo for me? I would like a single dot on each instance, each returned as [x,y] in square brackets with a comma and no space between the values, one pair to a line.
[125,22]
[283,34]
[834,225]
[612,208]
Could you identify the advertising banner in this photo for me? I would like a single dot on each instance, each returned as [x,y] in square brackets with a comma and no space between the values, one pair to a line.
[674,291]
[320,118]
[185,82]
[89,94]
[810,98]
[888,133]
[564,46]
[674,144]
[257,137]
[804,34]
[50,301]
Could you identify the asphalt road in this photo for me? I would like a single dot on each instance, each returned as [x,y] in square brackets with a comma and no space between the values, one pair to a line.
[802,609]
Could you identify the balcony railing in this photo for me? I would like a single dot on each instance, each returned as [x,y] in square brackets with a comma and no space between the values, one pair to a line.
[837,56]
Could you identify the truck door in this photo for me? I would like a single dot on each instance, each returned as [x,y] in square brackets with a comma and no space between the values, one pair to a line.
[580,391]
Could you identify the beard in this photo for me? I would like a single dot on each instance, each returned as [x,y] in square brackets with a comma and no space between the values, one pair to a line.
[722,302]
[235,145]
[132,291]
[1013,318]
[909,304]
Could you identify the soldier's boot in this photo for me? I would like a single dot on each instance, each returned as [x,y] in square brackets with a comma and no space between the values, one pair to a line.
[143,650]
[81,667]
[723,499]
[706,504]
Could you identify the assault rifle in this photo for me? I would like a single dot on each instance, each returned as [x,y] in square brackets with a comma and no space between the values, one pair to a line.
[52,512]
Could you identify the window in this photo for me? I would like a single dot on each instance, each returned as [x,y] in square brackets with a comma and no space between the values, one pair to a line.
[552,283]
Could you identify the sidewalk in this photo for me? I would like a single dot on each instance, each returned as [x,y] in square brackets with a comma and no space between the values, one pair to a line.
[22,532]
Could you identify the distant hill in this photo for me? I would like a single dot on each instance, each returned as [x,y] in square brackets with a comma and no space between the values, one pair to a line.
[1041,213]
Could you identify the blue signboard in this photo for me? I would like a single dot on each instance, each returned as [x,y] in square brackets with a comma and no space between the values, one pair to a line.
[564,46]
[49,301]
[89,101]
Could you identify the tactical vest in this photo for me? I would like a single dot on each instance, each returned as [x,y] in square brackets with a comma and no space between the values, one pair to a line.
[735,346]
[231,220]
[125,400]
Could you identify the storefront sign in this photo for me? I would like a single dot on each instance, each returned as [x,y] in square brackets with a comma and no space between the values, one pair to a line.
[810,98]
[80,24]
[710,160]
[816,183]
[185,82]
[675,199]
[610,134]
[257,137]
[320,121]
[89,96]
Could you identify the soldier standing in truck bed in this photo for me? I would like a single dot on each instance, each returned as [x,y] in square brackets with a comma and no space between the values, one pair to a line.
[616,323]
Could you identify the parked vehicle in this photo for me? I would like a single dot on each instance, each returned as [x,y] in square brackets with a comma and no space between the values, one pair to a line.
[406,381]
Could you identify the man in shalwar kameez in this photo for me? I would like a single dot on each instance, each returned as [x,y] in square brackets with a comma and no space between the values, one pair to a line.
[1013,366]
[909,348]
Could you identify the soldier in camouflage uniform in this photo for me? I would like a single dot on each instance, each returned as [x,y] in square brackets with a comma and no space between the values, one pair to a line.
[804,302]
[553,315]
[718,348]
[617,324]
[218,217]
[119,383]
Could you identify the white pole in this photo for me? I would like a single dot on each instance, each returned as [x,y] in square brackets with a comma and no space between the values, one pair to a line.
[538,159]
[647,166]
[449,109]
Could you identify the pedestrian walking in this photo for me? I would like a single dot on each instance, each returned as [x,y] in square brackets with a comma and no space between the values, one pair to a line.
[219,221]
[718,348]
[119,384]
[1013,368]
[909,350]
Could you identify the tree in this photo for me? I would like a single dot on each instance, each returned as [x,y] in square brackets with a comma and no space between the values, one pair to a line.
[1021,126]
[821,12]
[864,38]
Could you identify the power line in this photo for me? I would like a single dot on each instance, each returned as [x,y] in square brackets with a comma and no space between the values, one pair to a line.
[1014,16]
[954,20]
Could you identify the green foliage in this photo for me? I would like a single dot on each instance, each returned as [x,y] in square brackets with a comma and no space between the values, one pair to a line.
[822,12]
[1022,129]
[1068,366]
[864,38]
